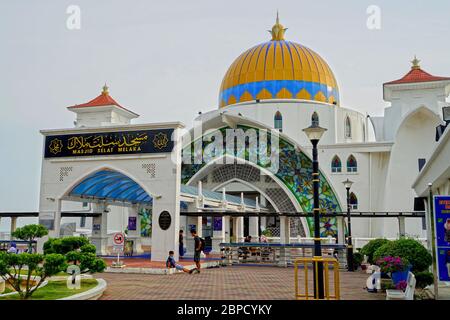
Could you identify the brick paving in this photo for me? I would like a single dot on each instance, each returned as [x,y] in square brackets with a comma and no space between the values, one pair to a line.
[226,283]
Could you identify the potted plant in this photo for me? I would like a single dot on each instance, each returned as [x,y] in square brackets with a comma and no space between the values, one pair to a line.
[396,267]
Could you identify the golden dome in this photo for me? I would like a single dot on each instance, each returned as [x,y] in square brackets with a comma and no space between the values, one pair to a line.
[278,69]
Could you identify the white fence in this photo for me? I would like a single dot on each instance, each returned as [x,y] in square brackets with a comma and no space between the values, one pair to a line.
[357,242]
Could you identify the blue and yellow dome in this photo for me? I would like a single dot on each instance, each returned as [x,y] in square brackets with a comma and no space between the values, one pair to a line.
[278,69]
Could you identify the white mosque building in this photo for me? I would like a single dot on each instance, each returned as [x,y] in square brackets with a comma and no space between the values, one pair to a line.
[282,85]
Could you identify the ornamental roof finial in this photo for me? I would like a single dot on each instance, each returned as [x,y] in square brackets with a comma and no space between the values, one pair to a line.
[105,89]
[415,63]
[277,30]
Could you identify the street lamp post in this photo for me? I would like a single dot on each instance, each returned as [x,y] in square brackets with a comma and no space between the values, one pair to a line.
[348,184]
[314,133]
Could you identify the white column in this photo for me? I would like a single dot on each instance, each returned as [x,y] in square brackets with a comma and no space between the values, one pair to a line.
[253,228]
[135,235]
[13,226]
[166,198]
[49,216]
[341,230]
[226,228]
[401,226]
[263,222]
[99,236]
[239,228]
[285,229]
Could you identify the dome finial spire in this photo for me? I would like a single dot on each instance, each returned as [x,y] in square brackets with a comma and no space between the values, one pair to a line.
[277,30]
[105,89]
[415,63]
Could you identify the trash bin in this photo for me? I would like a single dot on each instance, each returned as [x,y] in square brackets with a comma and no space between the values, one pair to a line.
[208,244]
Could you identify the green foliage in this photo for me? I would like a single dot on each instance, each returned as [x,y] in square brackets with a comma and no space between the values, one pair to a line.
[12,265]
[267,233]
[57,290]
[30,232]
[370,248]
[90,263]
[409,249]
[78,251]
[64,245]
[424,279]
[88,248]
[358,258]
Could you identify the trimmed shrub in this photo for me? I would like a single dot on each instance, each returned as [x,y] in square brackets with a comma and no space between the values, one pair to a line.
[64,245]
[370,248]
[357,259]
[409,249]
[424,279]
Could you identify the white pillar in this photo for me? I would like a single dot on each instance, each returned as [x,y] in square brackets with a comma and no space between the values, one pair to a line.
[239,228]
[13,226]
[253,228]
[49,216]
[263,222]
[99,236]
[341,230]
[166,198]
[401,227]
[226,228]
[135,235]
[285,229]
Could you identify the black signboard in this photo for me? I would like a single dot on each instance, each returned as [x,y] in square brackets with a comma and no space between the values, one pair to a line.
[109,143]
[164,220]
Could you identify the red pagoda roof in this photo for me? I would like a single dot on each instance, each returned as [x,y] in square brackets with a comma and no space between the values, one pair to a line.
[104,99]
[417,75]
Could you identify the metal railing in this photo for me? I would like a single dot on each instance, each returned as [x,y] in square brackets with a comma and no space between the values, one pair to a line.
[314,261]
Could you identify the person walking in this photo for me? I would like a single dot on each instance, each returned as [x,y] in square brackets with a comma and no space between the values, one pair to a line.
[180,243]
[198,247]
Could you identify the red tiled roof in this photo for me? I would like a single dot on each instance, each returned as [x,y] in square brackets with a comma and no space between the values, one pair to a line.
[417,75]
[104,99]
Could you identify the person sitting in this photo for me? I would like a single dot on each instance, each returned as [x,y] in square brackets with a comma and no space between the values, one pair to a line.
[171,263]
[13,248]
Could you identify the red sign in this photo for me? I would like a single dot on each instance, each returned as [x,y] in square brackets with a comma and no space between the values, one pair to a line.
[119,238]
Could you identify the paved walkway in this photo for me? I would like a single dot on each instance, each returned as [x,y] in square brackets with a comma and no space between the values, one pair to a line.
[226,283]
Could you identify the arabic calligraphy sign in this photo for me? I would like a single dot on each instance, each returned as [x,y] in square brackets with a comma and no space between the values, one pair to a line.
[109,143]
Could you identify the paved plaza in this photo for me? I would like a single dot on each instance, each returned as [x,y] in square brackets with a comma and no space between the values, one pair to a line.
[226,283]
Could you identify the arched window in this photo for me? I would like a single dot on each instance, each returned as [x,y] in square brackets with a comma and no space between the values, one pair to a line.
[348,127]
[353,201]
[336,165]
[315,119]
[352,165]
[278,121]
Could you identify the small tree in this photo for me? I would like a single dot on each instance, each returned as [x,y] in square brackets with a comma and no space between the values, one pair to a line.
[30,233]
[77,251]
[39,265]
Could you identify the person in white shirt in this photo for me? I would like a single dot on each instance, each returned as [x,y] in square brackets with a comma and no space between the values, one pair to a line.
[13,248]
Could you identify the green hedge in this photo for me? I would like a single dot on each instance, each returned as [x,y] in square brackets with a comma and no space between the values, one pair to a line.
[410,249]
[370,248]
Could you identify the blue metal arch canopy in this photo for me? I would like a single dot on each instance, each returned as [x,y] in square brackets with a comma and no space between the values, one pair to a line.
[111,185]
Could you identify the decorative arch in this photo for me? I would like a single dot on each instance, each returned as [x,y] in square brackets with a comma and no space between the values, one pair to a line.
[110,186]
[295,172]
[336,164]
[278,121]
[348,127]
[352,164]
[353,201]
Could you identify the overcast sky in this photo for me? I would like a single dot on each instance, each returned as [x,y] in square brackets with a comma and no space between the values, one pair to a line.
[165,60]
